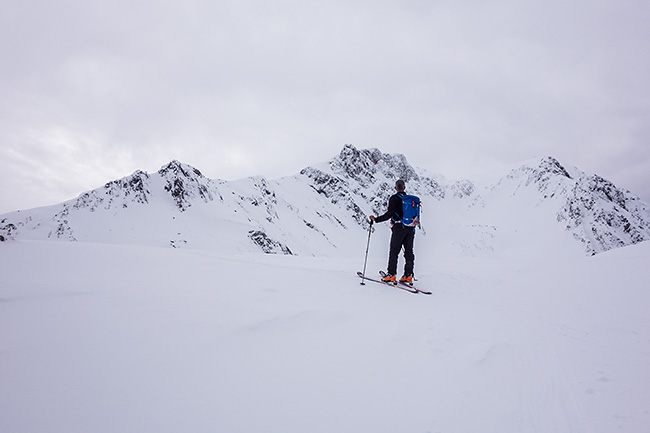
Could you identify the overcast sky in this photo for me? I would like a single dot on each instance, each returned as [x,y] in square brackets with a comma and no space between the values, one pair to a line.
[90,91]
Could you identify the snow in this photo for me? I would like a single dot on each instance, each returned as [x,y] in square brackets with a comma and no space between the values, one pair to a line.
[319,211]
[163,314]
[98,337]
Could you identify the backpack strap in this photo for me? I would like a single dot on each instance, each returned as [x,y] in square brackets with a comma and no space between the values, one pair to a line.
[401,195]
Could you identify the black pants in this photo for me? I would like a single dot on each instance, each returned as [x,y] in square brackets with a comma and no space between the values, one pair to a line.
[402,236]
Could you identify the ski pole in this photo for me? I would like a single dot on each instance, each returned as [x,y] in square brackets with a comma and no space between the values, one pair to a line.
[363,283]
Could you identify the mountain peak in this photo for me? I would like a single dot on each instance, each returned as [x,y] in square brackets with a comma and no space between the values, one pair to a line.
[184,182]
[545,173]
[176,167]
[323,207]
[364,165]
[546,166]
[552,166]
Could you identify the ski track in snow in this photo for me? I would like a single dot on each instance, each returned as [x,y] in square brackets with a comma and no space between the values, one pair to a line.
[108,338]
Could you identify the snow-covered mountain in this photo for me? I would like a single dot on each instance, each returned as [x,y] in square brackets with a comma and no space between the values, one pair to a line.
[523,332]
[321,210]
[592,209]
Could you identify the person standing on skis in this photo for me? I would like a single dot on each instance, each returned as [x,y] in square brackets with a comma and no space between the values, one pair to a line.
[402,235]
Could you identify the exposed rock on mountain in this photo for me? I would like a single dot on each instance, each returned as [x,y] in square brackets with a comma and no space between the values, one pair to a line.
[602,216]
[596,212]
[326,206]
[184,183]
[267,244]
[358,178]
[129,190]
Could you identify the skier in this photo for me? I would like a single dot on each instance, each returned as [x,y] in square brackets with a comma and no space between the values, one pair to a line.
[401,236]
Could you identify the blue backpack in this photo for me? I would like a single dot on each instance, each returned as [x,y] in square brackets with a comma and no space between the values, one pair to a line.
[410,210]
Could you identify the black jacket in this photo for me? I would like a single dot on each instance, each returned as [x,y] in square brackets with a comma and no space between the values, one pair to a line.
[394,209]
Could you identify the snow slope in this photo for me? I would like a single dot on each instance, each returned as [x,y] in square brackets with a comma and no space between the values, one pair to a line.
[318,211]
[107,338]
[524,332]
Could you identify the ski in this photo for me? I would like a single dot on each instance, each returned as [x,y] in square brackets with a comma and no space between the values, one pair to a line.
[398,286]
[424,292]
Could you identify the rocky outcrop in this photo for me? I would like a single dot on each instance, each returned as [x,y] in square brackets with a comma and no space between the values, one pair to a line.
[185,183]
[602,216]
[7,229]
[593,210]
[268,245]
[326,203]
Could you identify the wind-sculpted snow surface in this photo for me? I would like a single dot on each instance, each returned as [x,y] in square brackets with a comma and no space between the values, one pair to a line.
[324,210]
[523,332]
[121,338]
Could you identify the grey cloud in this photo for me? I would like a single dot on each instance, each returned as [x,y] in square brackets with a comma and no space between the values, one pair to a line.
[266,87]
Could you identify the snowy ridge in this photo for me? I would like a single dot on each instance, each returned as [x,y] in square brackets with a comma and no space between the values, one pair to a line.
[363,180]
[118,193]
[325,207]
[523,332]
[603,217]
[185,183]
[596,212]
